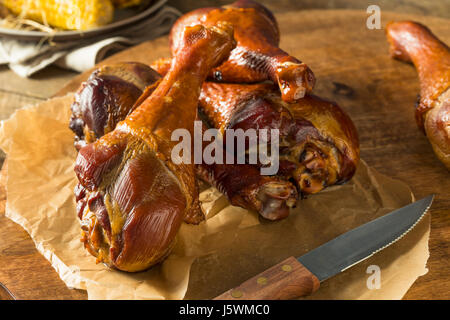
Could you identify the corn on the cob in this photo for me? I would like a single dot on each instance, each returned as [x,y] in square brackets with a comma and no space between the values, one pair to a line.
[126,3]
[64,14]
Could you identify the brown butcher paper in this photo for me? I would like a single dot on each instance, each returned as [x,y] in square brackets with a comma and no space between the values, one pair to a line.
[231,246]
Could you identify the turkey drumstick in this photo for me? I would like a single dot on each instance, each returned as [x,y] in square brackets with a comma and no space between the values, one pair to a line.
[256,57]
[318,142]
[131,196]
[95,113]
[412,42]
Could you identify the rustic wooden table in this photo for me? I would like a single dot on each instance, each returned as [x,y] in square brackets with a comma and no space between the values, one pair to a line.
[380,148]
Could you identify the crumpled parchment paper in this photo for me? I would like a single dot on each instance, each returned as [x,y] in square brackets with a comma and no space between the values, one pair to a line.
[231,246]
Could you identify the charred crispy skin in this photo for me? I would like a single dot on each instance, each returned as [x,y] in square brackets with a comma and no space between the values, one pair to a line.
[131,197]
[243,184]
[412,42]
[318,142]
[256,57]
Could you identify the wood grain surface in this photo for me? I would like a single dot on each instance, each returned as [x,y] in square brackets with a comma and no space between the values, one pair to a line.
[438,8]
[352,67]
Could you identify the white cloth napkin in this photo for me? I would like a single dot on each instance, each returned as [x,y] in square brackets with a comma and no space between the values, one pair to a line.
[26,58]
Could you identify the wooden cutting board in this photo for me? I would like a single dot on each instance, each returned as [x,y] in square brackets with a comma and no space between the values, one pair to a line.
[352,67]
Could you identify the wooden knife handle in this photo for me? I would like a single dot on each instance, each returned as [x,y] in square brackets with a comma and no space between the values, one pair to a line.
[287,280]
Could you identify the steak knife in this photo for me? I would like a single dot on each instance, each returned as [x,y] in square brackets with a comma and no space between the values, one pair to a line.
[297,277]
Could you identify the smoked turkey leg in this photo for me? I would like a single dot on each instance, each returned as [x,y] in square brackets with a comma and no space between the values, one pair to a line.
[412,42]
[256,57]
[319,144]
[132,198]
[111,93]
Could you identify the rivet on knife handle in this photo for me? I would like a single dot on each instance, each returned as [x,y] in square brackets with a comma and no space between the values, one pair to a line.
[287,280]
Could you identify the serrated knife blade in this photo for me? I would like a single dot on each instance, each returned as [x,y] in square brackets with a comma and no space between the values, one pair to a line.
[294,278]
[362,242]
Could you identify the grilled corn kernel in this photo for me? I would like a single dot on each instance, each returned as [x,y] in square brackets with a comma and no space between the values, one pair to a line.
[64,14]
